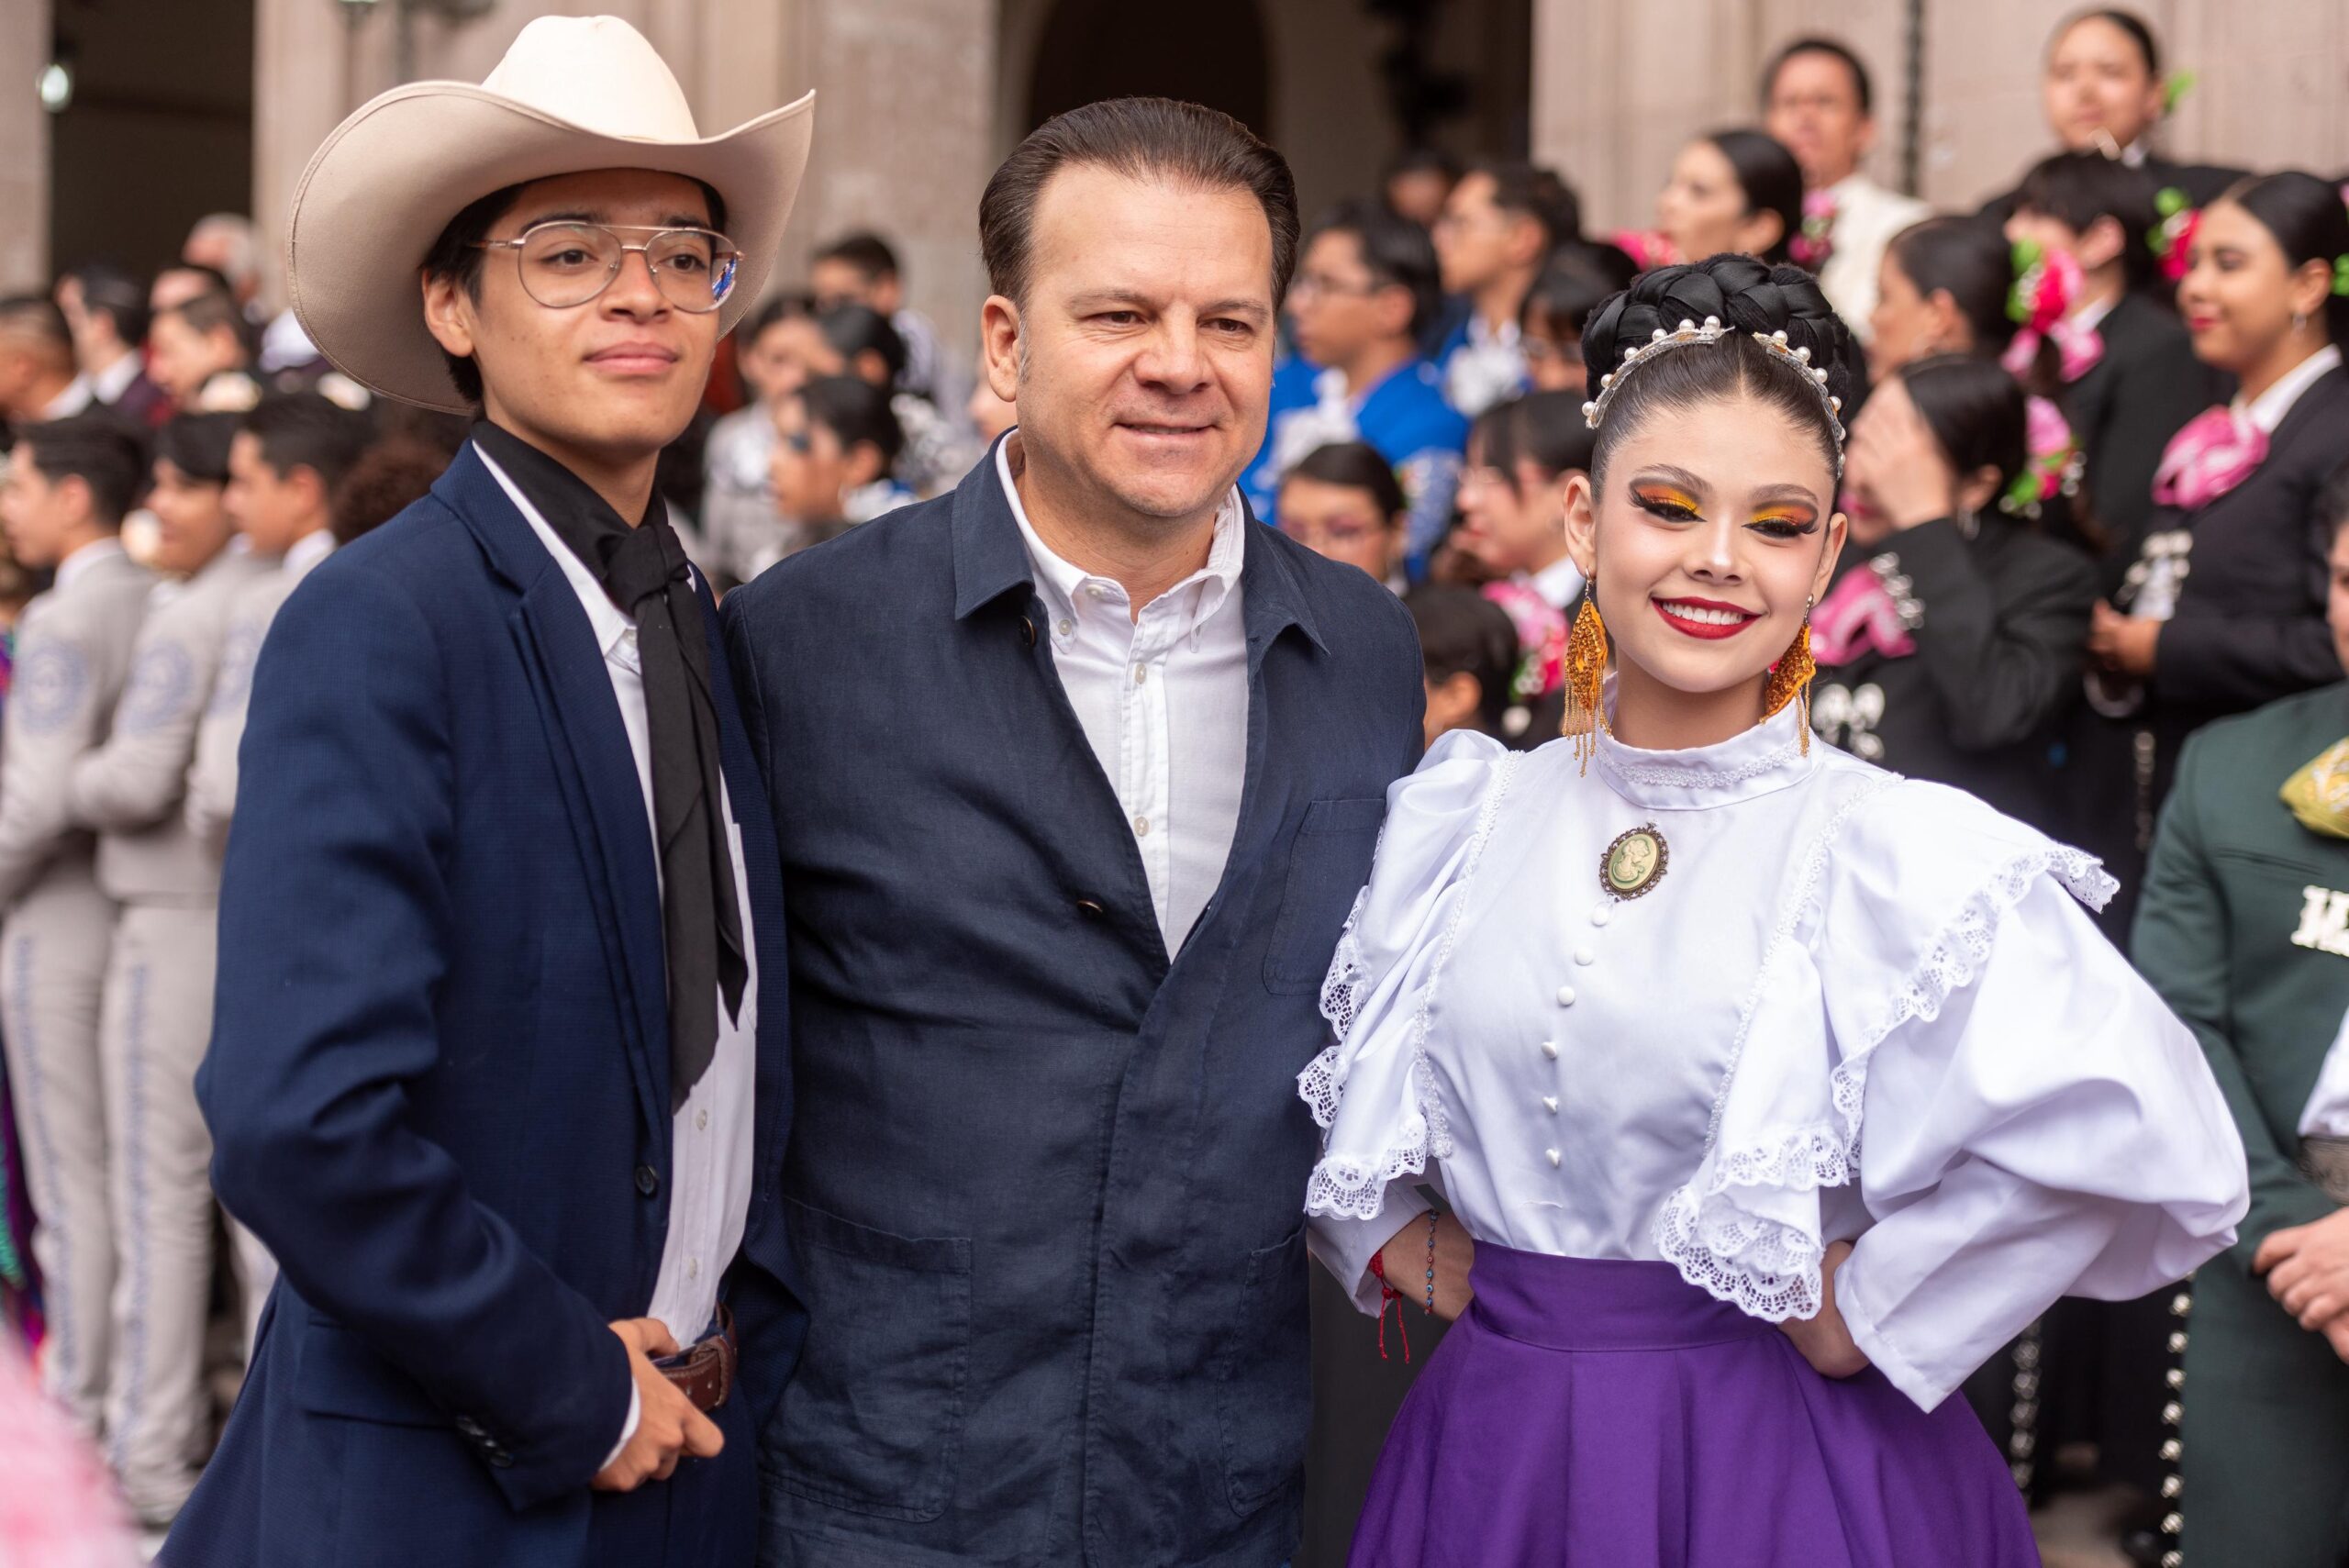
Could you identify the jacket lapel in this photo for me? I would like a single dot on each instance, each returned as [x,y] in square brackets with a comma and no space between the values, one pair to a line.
[594,765]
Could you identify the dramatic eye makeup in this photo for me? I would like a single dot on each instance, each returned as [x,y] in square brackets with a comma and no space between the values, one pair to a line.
[1669,502]
[1785,519]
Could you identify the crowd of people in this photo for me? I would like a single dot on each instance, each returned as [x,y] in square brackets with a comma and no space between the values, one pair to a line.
[2098,507]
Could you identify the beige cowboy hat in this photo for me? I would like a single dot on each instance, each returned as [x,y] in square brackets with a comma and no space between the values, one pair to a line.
[573,94]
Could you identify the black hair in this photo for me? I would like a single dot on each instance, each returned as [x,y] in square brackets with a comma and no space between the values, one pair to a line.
[2305,216]
[1744,295]
[866,252]
[1975,410]
[1545,429]
[305,430]
[215,280]
[198,445]
[1833,50]
[2078,188]
[773,312]
[103,450]
[389,477]
[2127,22]
[456,253]
[1771,180]
[1969,258]
[1186,144]
[1356,465]
[1463,633]
[1538,194]
[36,316]
[1578,279]
[855,329]
[857,412]
[114,293]
[1397,253]
[1421,160]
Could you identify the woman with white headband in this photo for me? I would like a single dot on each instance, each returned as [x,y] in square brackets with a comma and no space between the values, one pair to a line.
[1771,1093]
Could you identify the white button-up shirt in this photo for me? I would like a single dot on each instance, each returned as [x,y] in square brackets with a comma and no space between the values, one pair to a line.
[1162,695]
[710,1147]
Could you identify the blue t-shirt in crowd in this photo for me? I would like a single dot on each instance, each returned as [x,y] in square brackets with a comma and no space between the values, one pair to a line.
[1404,417]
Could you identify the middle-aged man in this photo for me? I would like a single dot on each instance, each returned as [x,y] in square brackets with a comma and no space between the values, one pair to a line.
[1365,290]
[1057,935]
[1818,101]
[500,926]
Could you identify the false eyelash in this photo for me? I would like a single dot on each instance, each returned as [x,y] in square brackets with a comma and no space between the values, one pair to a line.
[1669,510]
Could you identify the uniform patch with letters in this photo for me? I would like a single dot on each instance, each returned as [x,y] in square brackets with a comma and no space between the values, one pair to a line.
[49,687]
[2324,921]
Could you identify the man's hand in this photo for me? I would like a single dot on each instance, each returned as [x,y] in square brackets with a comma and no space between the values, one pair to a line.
[1405,1256]
[2121,644]
[667,1425]
[1823,1340]
[2307,1268]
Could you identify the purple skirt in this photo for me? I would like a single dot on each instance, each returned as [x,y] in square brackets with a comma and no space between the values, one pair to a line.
[1587,1414]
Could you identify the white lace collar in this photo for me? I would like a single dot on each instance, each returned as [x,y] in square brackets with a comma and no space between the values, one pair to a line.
[1757,762]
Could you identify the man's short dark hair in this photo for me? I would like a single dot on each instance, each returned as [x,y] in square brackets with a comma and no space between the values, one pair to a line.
[305,430]
[1395,251]
[457,254]
[214,278]
[102,449]
[866,252]
[1140,139]
[114,293]
[853,330]
[857,412]
[35,318]
[1539,194]
[210,312]
[1828,46]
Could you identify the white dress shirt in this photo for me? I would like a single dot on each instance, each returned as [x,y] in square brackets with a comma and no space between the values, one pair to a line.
[1559,584]
[1868,216]
[1162,695]
[2327,1113]
[711,1154]
[1686,1075]
[109,385]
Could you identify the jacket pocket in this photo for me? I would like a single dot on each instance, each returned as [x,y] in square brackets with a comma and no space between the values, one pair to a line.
[339,1373]
[871,1420]
[1263,1377]
[1329,861]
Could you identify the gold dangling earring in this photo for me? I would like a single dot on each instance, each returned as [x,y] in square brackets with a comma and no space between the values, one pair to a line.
[1790,678]
[1586,679]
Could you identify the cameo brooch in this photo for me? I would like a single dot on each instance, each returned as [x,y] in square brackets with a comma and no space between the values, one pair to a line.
[1634,862]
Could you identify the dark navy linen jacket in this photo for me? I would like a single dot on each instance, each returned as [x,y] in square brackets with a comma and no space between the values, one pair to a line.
[1045,1187]
[438,1078]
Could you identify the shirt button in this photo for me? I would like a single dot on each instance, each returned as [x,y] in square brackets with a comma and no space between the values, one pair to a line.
[1094,591]
[1549,1103]
[1550,1049]
[693,1268]
[1556,1159]
[701,1120]
[1065,625]
[647,1180]
[1142,826]
[1601,915]
[1142,673]
[1566,995]
[1586,957]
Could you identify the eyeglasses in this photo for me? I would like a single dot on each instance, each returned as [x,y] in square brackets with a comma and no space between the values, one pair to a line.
[566,264]
[1311,285]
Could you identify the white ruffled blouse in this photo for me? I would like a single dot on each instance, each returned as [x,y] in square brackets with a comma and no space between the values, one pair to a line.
[1852,1007]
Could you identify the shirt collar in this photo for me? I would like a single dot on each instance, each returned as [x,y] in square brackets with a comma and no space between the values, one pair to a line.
[76,398]
[2090,316]
[2268,409]
[1759,761]
[86,557]
[109,385]
[612,626]
[1558,583]
[1065,584]
[308,551]
[1484,336]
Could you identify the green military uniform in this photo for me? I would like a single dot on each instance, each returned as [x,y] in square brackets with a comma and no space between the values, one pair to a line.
[2244,928]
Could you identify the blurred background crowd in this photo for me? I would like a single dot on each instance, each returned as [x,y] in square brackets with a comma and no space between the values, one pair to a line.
[2088,285]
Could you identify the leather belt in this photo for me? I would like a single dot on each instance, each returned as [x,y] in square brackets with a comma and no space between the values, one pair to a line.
[704,1371]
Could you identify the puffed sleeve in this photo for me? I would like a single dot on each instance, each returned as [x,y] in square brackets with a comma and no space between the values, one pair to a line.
[1370,1090]
[2026,1118]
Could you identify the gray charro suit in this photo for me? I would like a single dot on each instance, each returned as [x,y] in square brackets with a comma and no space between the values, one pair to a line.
[73,655]
[157,1021]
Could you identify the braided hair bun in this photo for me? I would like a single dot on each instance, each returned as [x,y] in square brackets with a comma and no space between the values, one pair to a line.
[1746,295]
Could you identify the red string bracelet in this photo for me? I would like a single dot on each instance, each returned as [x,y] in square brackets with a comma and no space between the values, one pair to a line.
[1388,1293]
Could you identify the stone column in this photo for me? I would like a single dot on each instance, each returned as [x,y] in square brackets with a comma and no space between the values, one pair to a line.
[24,145]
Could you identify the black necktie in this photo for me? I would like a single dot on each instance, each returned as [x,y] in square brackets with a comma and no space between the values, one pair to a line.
[643,571]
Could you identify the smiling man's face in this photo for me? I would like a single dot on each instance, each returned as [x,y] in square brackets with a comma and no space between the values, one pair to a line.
[612,379]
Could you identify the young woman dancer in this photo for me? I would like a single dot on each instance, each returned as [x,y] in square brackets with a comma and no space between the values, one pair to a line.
[1776,1092]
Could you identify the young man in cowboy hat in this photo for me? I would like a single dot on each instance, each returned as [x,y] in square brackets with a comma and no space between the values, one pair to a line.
[497,1070]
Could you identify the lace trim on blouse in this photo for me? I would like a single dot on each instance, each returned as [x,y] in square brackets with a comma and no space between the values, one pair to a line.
[1358,1189]
[1768,1267]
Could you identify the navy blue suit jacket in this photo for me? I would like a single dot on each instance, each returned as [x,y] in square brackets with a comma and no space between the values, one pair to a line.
[439,1081]
[1047,1185]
